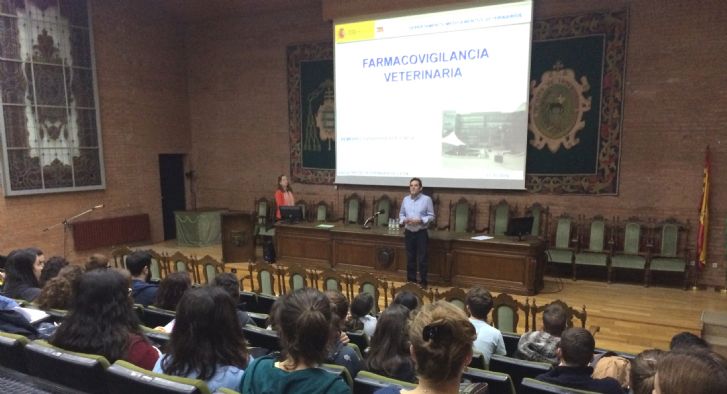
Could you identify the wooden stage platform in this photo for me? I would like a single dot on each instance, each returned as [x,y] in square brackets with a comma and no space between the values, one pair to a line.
[631,317]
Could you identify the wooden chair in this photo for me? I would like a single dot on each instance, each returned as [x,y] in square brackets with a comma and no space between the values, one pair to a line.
[462,215]
[304,209]
[629,251]
[670,249]
[595,235]
[571,313]
[506,313]
[182,263]
[540,219]
[298,277]
[373,285]
[353,209]
[322,212]
[388,206]
[265,274]
[564,243]
[499,217]
[264,218]
[210,268]
[158,266]
[330,279]
[454,295]
[415,289]
[119,256]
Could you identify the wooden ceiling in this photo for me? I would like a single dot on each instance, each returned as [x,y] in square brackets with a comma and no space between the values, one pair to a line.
[201,10]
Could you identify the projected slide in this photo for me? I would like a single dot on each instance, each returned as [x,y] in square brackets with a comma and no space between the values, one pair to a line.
[442,96]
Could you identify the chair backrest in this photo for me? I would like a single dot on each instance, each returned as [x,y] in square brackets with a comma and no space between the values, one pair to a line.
[156,317]
[540,219]
[454,295]
[359,338]
[632,237]
[517,369]
[534,386]
[303,209]
[341,371]
[353,209]
[260,337]
[86,372]
[597,234]
[158,266]
[669,240]
[505,313]
[263,303]
[461,214]
[323,211]
[124,377]
[330,279]
[182,263]
[511,340]
[298,277]
[368,382]
[119,256]
[563,232]
[571,313]
[499,217]
[385,204]
[374,286]
[262,211]
[12,348]
[210,268]
[265,274]
[497,382]
[421,294]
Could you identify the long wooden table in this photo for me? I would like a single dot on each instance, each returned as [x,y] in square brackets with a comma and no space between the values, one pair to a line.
[455,259]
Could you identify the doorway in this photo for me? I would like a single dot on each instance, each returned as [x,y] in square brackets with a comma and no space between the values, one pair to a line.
[171,177]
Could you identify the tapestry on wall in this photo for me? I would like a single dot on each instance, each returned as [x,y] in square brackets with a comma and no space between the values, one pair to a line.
[576,104]
[49,113]
[311,113]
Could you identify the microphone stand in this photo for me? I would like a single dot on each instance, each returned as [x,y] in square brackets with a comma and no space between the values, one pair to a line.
[66,223]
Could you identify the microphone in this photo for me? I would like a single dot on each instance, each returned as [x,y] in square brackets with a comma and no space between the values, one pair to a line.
[99,206]
[378,213]
[366,224]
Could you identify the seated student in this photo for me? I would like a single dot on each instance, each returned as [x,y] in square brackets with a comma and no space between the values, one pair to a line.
[478,304]
[540,345]
[22,275]
[687,341]
[303,322]
[142,291]
[96,261]
[51,268]
[102,321]
[575,351]
[340,354]
[207,342]
[406,298]
[693,372]
[361,306]
[228,282]
[389,348]
[57,292]
[441,343]
[171,290]
[643,371]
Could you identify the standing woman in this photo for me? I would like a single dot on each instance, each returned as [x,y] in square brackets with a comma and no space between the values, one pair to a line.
[22,275]
[283,195]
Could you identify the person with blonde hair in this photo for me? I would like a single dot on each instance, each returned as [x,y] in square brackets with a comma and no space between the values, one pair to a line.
[441,339]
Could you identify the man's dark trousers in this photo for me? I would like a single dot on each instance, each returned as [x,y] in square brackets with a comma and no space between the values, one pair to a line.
[416,252]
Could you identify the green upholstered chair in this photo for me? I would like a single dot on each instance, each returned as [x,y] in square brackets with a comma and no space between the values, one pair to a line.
[159,266]
[500,214]
[671,245]
[534,386]
[506,313]
[388,206]
[517,369]
[424,296]
[461,216]
[497,382]
[264,217]
[330,279]
[152,316]
[119,256]
[628,250]
[80,371]
[304,209]
[561,251]
[454,295]
[261,337]
[368,382]
[12,348]
[210,268]
[322,212]
[125,377]
[353,209]
[366,282]
[539,214]
[298,277]
[182,263]
[571,313]
[596,236]
[265,275]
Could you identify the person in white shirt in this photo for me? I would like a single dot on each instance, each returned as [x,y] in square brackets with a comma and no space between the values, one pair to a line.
[489,339]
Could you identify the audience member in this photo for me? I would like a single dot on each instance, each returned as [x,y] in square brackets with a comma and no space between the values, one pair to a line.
[361,306]
[58,292]
[540,345]
[687,341]
[611,365]
[171,289]
[22,275]
[341,353]
[102,321]
[441,344]
[142,291]
[643,371]
[207,342]
[575,351]
[97,261]
[408,299]
[228,282]
[303,321]
[389,351]
[51,268]
[698,371]
[478,304]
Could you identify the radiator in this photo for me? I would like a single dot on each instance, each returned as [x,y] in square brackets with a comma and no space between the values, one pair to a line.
[116,231]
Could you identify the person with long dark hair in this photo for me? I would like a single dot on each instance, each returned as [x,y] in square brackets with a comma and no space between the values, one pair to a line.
[389,349]
[58,292]
[207,341]
[171,289]
[102,321]
[283,195]
[303,319]
[22,275]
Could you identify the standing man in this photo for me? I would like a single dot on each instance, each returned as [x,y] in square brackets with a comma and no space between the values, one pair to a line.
[416,212]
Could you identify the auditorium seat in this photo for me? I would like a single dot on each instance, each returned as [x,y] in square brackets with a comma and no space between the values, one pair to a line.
[533,386]
[12,381]
[124,377]
[511,341]
[497,382]
[330,279]
[119,256]
[210,268]
[454,295]
[260,337]
[153,317]
[182,263]
[506,313]
[263,303]
[81,371]
[261,319]
[359,339]
[265,274]
[424,296]
[158,338]
[298,277]
[372,285]
[563,242]
[367,383]
[478,361]
[593,239]
[341,371]
[571,313]
[517,369]
[12,348]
